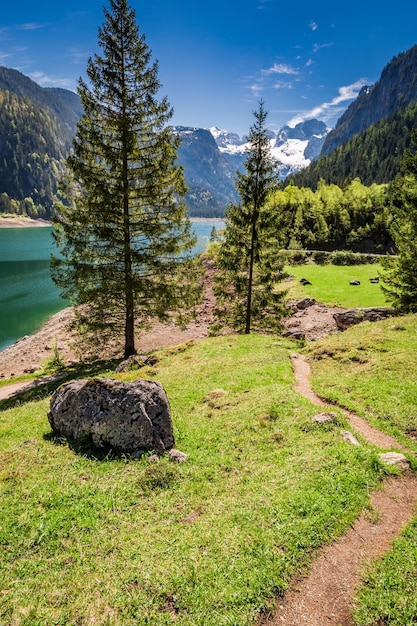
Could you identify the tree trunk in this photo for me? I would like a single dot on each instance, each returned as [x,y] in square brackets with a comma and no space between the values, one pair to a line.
[250,281]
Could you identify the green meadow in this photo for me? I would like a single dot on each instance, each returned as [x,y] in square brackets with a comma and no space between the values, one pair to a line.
[330,284]
[90,538]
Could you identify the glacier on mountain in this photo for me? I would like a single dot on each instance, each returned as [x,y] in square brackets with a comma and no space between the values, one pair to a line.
[292,148]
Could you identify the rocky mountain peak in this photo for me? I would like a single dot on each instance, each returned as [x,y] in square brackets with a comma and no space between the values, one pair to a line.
[395,89]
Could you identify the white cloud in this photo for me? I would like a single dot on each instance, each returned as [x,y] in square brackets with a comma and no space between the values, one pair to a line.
[313,25]
[328,110]
[280,68]
[52,81]
[78,56]
[31,26]
[256,88]
[318,46]
[281,84]
[267,78]
[261,4]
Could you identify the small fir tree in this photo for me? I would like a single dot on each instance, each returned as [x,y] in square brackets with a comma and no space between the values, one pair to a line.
[400,274]
[249,264]
[125,245]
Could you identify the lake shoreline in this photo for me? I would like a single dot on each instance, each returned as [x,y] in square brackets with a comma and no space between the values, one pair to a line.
[28,295]
[23,222]
[27,222]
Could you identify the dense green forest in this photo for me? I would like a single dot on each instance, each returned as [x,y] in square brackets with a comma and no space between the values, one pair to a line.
[373,155]
[36,126]
[355,218]
[29,158]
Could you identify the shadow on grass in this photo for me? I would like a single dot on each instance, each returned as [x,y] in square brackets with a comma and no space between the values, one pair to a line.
[85,447]
[40,388]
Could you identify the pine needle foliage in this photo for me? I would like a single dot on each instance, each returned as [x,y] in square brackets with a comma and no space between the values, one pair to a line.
[125,245]
[249,266]
[400,273]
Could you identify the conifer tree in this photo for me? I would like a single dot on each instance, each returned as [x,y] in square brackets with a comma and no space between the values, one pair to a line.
[249,266]
[124,241]
[400,274]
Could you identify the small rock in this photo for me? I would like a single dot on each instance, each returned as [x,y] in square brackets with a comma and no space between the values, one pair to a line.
[305,303]
[347,436]
[215,394]
[395,458]
[305,281]
[375,279]
[350,317]
[176,456]
[355,282]
[324,418]
[154,458]
[294,334]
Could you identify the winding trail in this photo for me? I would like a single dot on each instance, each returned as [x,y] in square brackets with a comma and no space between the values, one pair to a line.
[325,596]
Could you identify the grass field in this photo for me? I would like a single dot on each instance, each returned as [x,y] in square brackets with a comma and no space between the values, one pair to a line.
[330,284]
[208,542]
[91,538]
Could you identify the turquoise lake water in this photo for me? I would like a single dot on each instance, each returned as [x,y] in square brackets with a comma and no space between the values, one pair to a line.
[28,297]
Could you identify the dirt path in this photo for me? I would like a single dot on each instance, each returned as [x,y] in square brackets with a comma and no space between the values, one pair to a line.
[325,596]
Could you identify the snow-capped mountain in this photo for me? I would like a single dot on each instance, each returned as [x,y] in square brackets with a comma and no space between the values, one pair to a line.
[212,156]
[293,148]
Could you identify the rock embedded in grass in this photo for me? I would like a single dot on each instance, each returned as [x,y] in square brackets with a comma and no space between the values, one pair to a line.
[347,436]
[126,416]
[324,418]
[395,458]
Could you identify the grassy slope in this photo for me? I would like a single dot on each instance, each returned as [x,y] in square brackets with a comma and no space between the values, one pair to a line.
[372,370]
[209,542]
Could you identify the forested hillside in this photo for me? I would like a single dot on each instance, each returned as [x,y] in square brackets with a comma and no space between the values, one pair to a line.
[395,90]
[373,155]
[36,130]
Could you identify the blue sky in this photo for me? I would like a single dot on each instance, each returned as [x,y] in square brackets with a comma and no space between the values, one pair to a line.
[218,58]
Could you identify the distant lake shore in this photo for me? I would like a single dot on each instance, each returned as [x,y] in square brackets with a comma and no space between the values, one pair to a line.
[25,222]
[22,222]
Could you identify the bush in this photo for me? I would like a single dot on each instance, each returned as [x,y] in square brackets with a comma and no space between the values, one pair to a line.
[323,257]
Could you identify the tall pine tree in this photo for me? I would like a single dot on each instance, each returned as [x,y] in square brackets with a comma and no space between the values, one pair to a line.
[124,241]
[249,264]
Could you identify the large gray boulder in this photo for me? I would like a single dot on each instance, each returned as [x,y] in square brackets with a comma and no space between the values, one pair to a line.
[125,416]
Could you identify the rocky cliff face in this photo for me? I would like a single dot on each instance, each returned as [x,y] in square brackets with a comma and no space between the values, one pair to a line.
[208,172]
[395,89]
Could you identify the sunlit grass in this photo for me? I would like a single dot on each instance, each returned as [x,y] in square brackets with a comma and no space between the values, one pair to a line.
[371,369]
[209,542]
[330,284]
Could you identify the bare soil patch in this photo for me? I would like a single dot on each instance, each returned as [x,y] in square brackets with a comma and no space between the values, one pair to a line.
[314,322]
[22,222]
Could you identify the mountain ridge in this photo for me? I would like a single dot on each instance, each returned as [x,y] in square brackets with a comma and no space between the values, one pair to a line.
[44,122]
[212,156]
[395,89]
